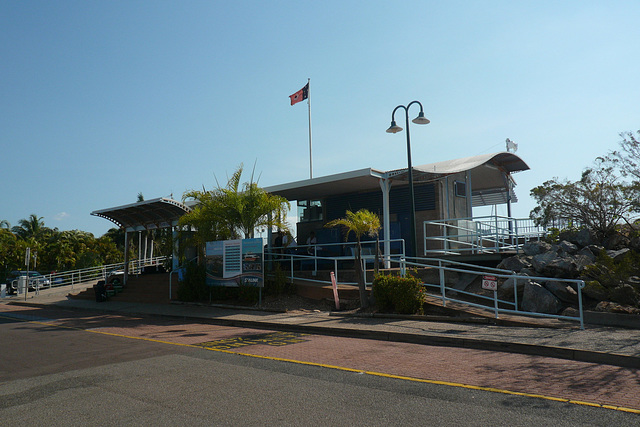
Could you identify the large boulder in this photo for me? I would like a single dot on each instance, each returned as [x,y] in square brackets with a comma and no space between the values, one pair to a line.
[584,238]
[561,267]
[563,291]
[506,288]
[536,248]
[540,261]
[515,263]
[588,253]
[568,247]
[615,241]
[537,299]
[617,255]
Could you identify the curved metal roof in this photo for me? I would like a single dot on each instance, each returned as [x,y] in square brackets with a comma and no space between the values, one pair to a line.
[486,172]
[146,215]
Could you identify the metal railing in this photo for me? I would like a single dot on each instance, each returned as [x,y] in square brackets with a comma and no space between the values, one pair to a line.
[336,257]
[85,275]
[497,305]
[487,234]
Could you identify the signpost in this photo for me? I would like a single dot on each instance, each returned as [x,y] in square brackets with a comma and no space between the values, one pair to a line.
[491,283]
[334,285]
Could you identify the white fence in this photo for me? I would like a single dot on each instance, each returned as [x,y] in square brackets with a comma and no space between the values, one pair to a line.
[81,276]
[488,234]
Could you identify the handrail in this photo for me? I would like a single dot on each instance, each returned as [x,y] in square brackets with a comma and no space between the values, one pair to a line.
[83,275]
[485,234]
[498,273]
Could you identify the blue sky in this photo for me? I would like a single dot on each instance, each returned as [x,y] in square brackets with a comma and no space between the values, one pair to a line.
[102,100]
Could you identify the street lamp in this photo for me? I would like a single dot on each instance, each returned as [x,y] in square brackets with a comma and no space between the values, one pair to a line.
[394,128]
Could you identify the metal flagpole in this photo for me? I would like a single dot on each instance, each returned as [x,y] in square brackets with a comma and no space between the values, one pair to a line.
[309,105]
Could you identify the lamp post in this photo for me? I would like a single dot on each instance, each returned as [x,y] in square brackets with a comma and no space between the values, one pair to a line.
[394,128]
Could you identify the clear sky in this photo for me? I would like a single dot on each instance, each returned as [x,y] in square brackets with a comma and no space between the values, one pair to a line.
[102,100]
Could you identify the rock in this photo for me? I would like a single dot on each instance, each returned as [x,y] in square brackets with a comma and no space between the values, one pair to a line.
[615,241]
[536,248]
[565,268]
[634,243]
[514,263]
[624,294]
[581,262]
[595,249]
[594,290]
[568,235]
[568,247]
[537,299]
[540,261]
[563,291]
[505,289]
[584,238]
[612,307]
[588,253]
[618,255]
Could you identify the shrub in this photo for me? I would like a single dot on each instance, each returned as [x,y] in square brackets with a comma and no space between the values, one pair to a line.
[611,273]
[404,295]
[248,294]
[279,283]
[193,287]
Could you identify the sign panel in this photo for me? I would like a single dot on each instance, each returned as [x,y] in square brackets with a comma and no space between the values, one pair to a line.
[235,263]
[490,282]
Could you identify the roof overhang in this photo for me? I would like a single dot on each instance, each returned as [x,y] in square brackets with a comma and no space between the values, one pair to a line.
[146,215]
[315,188]
[490,176]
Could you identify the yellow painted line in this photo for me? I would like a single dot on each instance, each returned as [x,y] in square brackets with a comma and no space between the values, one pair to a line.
[342,368]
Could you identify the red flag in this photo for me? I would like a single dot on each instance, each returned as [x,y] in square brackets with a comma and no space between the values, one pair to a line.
[300,95]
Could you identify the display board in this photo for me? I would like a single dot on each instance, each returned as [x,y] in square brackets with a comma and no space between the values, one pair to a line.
[235,263]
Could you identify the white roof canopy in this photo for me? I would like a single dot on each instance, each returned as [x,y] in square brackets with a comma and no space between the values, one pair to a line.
[487,173]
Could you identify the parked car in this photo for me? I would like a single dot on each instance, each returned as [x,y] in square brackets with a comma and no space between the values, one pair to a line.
[36,280]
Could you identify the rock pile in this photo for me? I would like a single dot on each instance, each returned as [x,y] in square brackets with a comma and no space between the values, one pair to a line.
[570,259]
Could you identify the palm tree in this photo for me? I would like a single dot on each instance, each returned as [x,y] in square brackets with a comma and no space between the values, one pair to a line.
[233,211]
[361,222]
[33,227]
[5,224]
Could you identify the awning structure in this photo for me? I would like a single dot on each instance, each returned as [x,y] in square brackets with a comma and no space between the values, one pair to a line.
[146,215]
[488,173]
[348,182]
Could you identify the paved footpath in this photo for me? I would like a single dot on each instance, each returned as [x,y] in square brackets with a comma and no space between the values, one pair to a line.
[597,344]
[321,339]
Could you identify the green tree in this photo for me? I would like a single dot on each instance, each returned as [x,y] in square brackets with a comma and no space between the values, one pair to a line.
[362,222]
[627,158]
[32,227]
[232,211]
[598,201]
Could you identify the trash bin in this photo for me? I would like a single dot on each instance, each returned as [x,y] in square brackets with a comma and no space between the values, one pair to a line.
[101,292]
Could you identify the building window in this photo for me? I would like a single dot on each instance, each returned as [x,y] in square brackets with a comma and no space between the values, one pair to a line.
[460,188]
[309,210]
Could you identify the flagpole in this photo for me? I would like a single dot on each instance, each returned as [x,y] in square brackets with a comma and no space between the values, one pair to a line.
[309,105]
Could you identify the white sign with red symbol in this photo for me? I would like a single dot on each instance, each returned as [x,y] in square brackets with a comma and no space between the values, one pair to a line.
[490,282]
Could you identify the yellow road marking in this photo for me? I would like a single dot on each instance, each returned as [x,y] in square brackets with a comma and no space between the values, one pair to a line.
[345,369]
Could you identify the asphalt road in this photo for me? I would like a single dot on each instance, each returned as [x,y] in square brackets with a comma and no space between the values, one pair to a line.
[73,368]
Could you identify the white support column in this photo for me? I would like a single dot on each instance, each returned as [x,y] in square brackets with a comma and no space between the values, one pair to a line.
[469,195]
[385,185]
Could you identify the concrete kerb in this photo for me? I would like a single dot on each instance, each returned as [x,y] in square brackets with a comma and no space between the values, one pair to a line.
[376,333]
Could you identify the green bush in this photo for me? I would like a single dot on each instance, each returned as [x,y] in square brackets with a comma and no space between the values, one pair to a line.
[193,287]
[279,283]
[249,294]
[403,295]
[611,273]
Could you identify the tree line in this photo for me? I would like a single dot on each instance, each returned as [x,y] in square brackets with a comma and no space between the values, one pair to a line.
[52,249]
[605,200]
